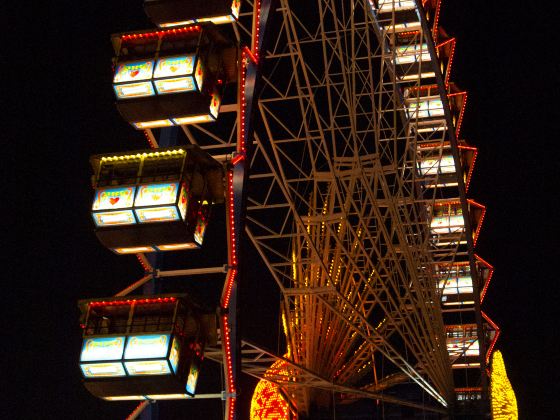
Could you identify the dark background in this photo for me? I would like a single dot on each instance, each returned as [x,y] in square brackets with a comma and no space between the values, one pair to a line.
[58,108]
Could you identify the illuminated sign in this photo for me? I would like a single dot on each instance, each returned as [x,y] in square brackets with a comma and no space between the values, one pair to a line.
[183,201]
[146,346]
[147,367]
[456,286]
[412,53]
[192,379]
[102,348]
[176,85]
[134,90]
[174,354]
[101,370]
[174,66]
[134,71]
[159,214]
[425,108]
[199,74]
[199,231]
[215,105]
[432,166]
[113,198]
[447,224]
[114,218]
[156,194]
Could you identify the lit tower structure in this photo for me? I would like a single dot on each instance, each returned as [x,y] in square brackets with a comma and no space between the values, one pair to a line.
[330,131]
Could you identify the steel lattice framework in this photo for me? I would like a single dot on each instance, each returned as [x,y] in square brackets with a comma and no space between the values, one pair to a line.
[349,244]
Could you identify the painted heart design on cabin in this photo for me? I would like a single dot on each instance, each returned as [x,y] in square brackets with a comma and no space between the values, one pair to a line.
[134,73]
[173,68]
[114,200]
[156,197]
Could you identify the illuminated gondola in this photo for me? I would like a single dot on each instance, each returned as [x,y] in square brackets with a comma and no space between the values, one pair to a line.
[436,164]
[463,343]
[169,13]
[447,224]
[170,77]
[149,201]
[142,347]
[455,282]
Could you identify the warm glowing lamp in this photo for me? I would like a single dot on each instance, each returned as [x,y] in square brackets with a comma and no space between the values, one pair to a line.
[267,402]
[503,401]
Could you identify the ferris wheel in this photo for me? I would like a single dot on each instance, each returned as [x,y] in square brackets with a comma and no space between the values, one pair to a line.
[329,131]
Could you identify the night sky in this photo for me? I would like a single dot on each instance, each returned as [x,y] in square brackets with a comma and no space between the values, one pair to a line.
[58,107]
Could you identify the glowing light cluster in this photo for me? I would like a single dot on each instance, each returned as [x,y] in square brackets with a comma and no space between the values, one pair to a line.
[476,233]
[157,34]
[497,333]
[151,140]
[229,366]
[453,43]
[267,402]
[503,401]
[131,301]
[471,168]
[459,122]
[144,262]
[242,100]
[163,154]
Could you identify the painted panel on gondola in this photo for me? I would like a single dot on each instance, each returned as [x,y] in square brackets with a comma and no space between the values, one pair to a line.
[147,346]
[215,104]
[156,194]
[174,354]
[455,286]
[235,6]
[199,74]
[113,198]
[174,66]
[134,71]
[435,165]
[192,379]
[102,348]
[175,85]
[114,218]
[102,370]
[158,214]
[199,231]
[134,90]
[148,367]
[183,201]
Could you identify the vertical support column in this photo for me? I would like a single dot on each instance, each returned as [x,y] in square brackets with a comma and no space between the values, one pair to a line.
[228,303]
[235,202]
